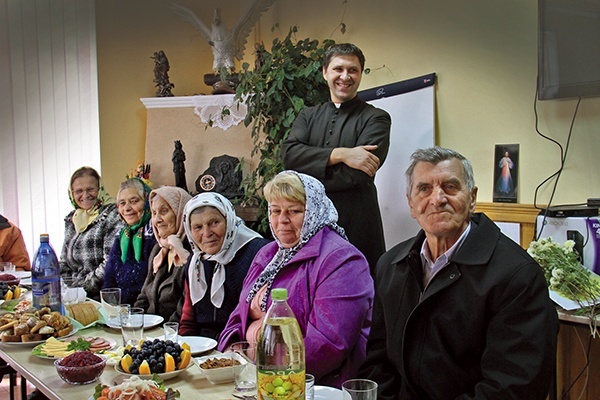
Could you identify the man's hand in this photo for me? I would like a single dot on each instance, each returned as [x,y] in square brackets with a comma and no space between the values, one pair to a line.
[359,157]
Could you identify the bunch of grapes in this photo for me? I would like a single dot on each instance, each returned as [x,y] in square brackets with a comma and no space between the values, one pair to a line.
[153,351]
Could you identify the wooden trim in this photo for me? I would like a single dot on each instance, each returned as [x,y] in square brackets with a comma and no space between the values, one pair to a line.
[523,214]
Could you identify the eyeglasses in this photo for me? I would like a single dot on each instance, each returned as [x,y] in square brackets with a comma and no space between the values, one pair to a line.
[91,191]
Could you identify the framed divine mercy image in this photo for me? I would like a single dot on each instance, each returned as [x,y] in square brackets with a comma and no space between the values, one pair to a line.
[506,173]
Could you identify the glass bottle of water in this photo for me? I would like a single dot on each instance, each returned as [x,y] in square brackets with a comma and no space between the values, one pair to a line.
[280,353]
[45,276]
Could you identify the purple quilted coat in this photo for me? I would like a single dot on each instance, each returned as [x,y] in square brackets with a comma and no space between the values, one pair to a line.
[331,293]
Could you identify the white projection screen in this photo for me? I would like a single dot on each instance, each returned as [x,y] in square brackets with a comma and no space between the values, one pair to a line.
[411,104]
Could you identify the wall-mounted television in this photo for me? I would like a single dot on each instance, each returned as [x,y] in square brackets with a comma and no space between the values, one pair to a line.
[568,48]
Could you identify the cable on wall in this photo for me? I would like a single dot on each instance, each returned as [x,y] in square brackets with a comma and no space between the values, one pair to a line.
[563,158]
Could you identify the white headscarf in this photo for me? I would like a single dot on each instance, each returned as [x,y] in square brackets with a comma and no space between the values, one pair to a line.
[237,235]
[319,212]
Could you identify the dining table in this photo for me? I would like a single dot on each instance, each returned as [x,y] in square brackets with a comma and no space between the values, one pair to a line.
[42,373]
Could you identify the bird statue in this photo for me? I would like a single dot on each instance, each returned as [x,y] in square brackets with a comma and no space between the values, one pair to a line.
[226,44]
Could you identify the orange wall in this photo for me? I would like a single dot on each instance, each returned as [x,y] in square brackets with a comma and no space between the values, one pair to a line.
[485,55]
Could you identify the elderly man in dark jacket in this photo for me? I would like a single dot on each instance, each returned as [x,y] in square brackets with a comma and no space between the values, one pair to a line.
[461,311]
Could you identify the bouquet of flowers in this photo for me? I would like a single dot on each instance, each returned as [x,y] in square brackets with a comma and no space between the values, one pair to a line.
[565,275]
[141,171]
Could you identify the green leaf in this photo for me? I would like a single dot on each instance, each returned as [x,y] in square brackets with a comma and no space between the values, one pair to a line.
[288,80]
[98,390]
[79,344]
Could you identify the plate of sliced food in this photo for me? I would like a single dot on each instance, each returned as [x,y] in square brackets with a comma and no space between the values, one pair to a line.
[136,388]
[54,348]
[86,313]
[34,326]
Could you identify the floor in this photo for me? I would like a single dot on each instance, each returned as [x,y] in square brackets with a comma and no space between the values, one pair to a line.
[4,389]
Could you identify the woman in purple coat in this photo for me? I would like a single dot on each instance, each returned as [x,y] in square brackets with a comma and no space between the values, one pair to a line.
[327,278]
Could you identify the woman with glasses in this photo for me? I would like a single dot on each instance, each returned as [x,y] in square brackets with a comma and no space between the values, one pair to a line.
[327,278]
[90,231]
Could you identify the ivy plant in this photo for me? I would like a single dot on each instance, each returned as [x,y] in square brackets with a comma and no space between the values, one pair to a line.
[284,80]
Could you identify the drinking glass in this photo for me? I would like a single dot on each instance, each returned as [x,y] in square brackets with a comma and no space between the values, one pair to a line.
[69,294]
[7,267]
[171,331]
[244,374]
[132,325]
[359,389]
[111,299]
[310,387]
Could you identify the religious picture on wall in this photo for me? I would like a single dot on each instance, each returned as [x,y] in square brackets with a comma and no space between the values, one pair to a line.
[506,173]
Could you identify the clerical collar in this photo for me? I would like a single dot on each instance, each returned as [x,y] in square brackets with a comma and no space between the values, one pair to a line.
[346,104]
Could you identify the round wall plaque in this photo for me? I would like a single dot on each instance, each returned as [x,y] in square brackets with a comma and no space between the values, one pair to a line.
[207,182]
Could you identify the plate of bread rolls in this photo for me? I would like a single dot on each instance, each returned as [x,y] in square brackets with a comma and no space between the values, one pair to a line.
[34,326]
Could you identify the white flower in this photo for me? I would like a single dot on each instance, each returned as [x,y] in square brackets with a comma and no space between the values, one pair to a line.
[565,274]
[557,273]
[569,246]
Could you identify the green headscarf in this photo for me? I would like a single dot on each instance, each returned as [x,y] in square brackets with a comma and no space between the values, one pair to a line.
[133,235]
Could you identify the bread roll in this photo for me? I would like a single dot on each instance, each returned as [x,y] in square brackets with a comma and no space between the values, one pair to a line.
[38,326]
[9,336]
[9,325]
[21,329]
[64,331]
[31,337]
[46,330]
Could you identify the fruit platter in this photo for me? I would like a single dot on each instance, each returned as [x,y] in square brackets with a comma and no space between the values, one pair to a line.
[12,295]
[164,358]
[9,287]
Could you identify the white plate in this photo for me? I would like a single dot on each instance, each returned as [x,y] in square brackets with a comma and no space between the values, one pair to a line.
[198,344]
[150,321]
[26,344]
[327,393]
[164,376]
[22,274]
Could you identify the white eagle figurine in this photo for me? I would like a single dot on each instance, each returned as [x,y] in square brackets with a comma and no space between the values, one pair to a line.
[226,44]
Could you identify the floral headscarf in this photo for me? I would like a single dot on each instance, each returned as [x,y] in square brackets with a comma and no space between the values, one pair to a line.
[171,247]
[237,235]
[132,235]
[319,212]
[83,218]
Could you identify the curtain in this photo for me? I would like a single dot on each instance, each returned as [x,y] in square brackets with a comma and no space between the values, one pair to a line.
[48,110]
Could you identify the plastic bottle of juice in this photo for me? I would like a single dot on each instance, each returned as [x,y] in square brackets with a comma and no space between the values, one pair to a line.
[280,352]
